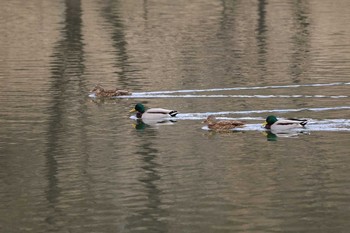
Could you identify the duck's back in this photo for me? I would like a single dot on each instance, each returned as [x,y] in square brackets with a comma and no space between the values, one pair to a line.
[289,124]
[154,113]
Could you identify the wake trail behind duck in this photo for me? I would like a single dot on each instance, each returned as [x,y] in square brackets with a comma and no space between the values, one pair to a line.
[245,88]
[248,112]
[152,96]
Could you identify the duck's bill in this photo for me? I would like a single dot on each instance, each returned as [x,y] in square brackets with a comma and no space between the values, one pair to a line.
[264,124]
[133,110]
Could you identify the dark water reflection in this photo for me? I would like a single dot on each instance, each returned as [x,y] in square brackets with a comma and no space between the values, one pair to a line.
[70,163]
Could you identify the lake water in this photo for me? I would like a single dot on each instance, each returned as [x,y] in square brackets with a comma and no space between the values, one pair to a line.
[73,163]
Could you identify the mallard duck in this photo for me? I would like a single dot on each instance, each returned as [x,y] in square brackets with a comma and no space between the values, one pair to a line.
[274,124]
[213,124]
[152,113]
[101,92]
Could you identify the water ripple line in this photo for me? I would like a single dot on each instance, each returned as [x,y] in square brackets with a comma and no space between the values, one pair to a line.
[202,115]
[147,96]
[246,88]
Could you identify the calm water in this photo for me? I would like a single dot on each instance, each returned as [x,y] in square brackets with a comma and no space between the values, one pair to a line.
[72,163]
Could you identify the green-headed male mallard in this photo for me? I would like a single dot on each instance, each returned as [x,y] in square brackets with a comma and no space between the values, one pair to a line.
[152,113]
[274,124]
[101,92]
[213,124]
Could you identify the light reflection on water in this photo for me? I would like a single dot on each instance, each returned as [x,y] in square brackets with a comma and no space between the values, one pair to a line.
[74,163]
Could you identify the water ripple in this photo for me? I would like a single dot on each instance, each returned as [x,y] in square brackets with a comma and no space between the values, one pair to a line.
[246,88]
[203,115]
[138,95]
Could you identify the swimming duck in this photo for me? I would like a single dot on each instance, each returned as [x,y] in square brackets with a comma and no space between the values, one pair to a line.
[213,124]
[274,124]
[101,92]
[152,113]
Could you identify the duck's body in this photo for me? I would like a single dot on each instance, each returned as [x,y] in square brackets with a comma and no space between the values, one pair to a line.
[153,113]
[213,124]
[280,125]
[101,92]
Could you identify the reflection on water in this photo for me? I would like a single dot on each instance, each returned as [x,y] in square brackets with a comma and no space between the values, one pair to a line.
[145,123]
[65,110]
[149,217]
[273,136]
[72,163]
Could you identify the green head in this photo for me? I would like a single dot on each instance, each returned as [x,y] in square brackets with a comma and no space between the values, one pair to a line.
[140,108]
[271,120]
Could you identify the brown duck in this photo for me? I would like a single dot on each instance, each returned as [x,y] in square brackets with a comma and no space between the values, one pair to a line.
[214,124]
[101,92]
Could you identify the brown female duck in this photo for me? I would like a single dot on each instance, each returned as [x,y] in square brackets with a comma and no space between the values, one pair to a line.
[101,92]
[214,124]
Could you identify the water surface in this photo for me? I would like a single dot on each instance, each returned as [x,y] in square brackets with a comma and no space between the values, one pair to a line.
[73,163]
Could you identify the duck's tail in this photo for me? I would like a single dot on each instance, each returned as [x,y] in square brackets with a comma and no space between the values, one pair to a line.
[302,122]
[173,113]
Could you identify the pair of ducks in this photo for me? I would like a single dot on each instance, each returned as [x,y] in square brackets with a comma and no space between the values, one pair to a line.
[271,121]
